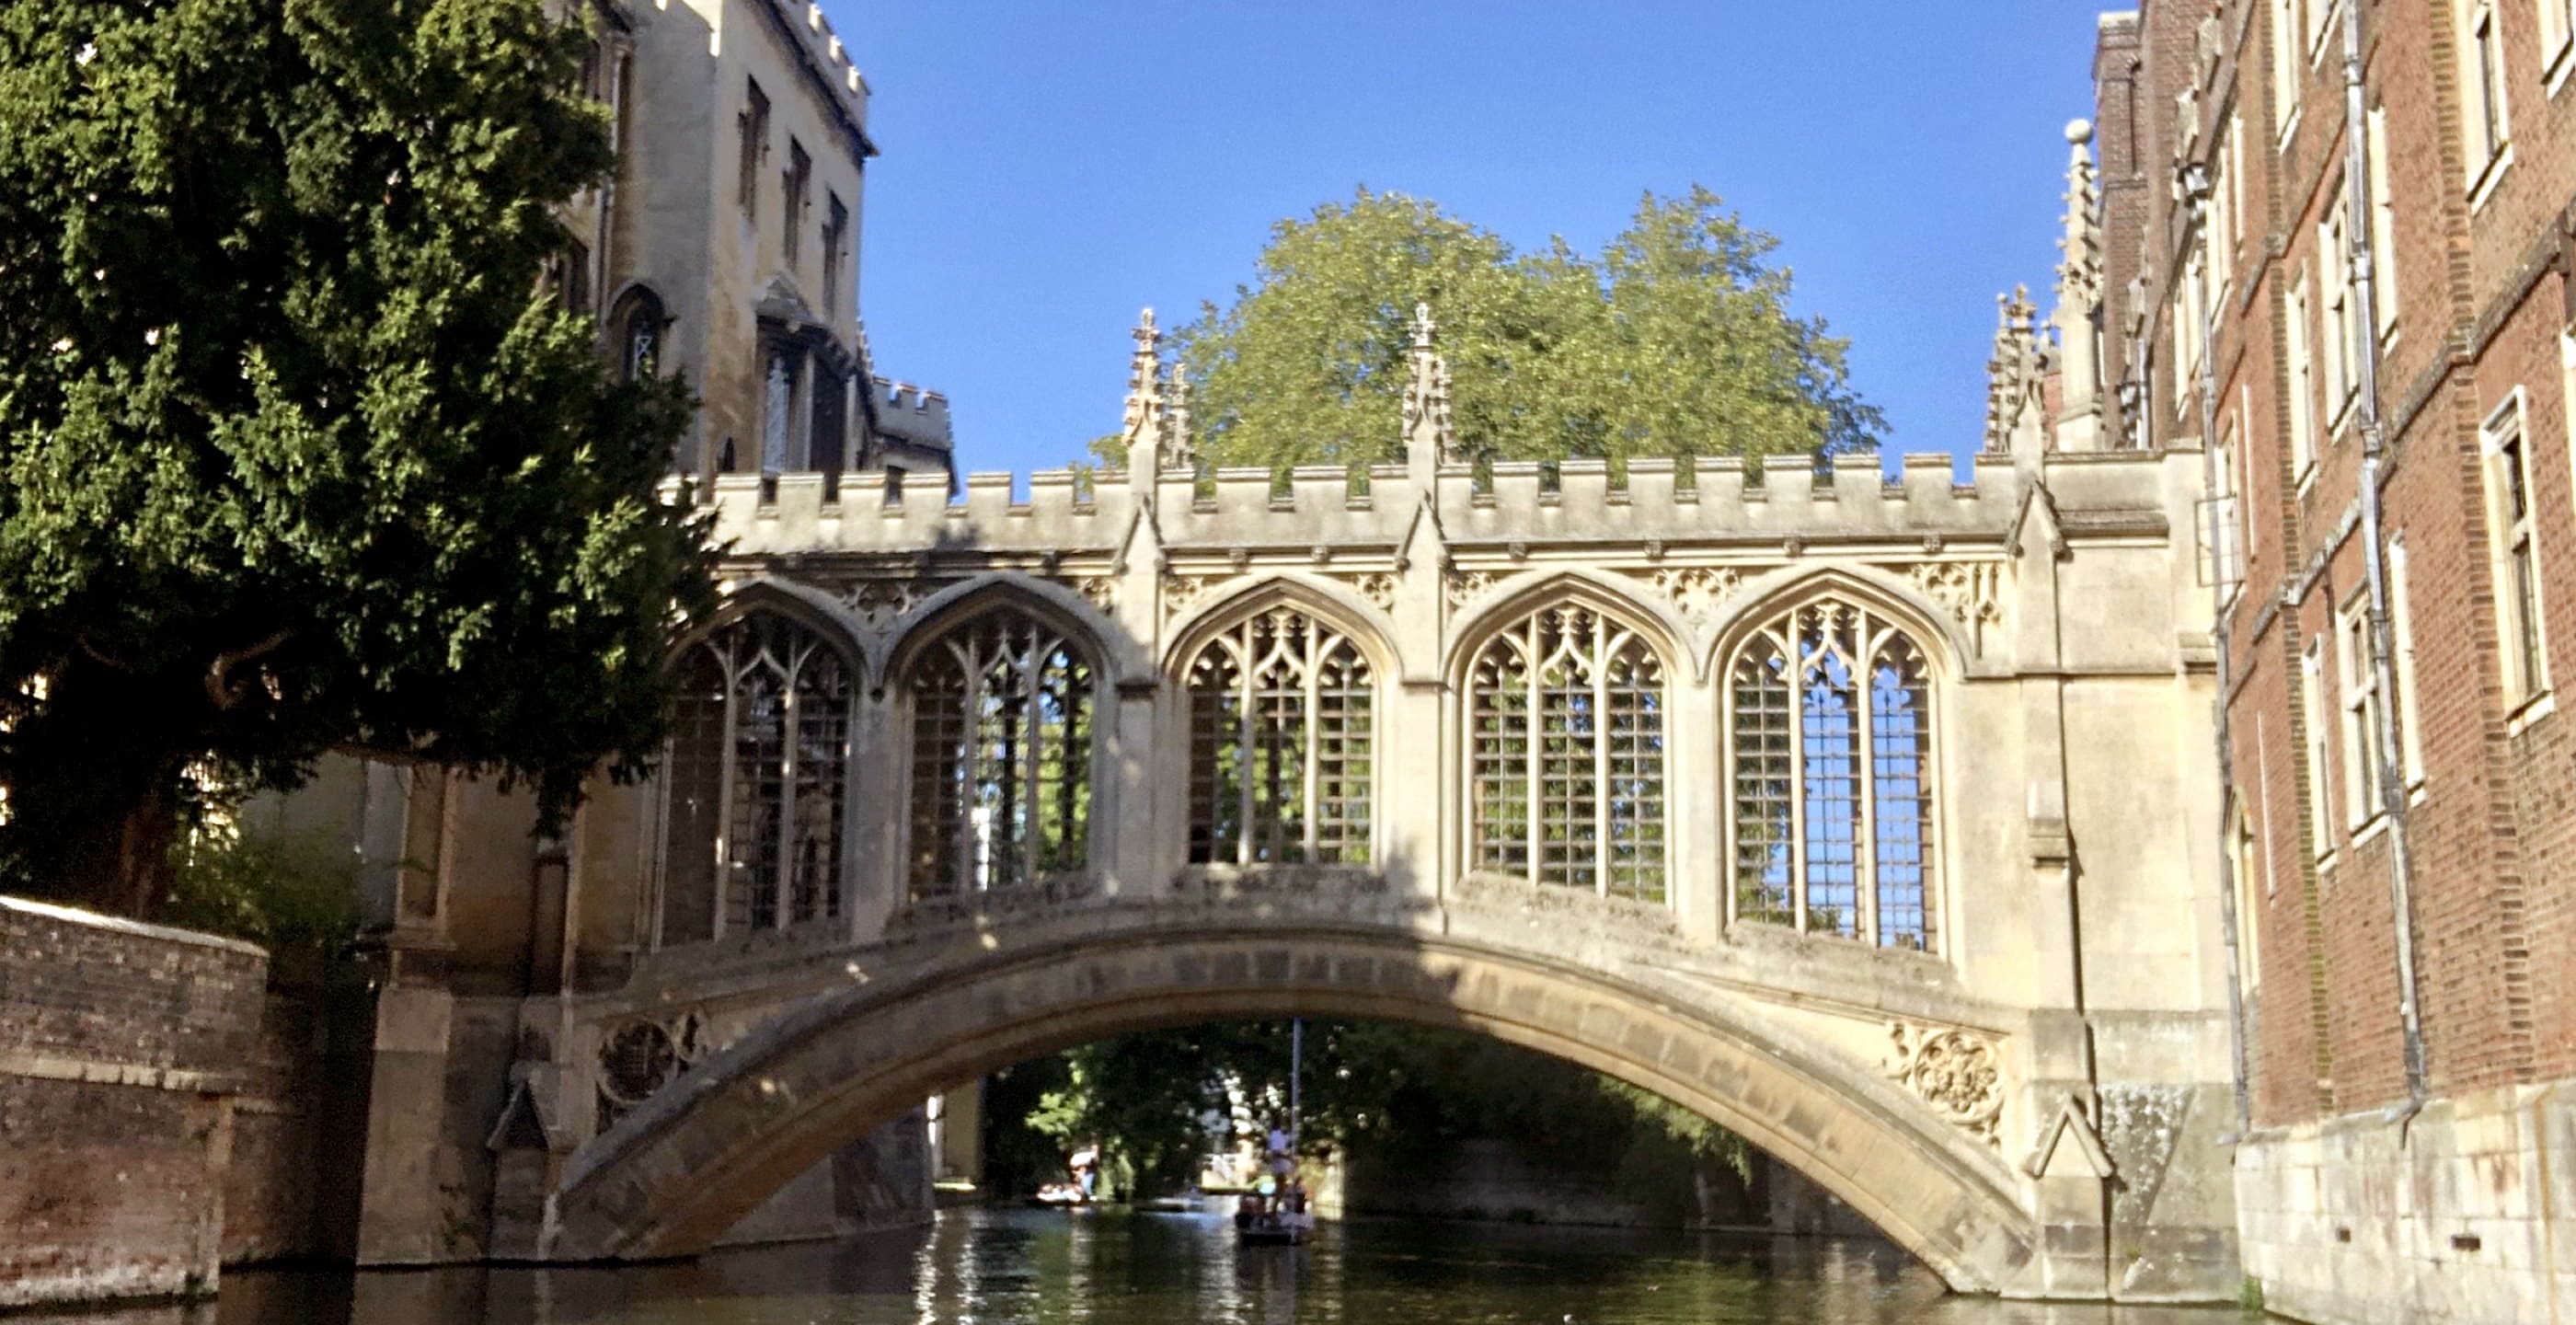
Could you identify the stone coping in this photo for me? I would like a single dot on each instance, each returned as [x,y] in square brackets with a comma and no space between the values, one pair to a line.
[136,928]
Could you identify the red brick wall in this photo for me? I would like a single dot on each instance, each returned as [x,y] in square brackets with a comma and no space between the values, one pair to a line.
[2492,836]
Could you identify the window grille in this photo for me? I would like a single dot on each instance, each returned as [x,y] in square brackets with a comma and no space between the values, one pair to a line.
[1281,745]
[1566,754]
[758,766]
[1830,758]
[1001,757]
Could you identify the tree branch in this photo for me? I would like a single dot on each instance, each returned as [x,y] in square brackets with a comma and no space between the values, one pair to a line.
[220,686]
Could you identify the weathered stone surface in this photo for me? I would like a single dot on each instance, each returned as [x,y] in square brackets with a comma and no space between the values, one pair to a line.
[122,1049]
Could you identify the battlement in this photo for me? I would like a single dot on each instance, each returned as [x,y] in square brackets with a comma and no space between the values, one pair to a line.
[822,46]
[1515,505]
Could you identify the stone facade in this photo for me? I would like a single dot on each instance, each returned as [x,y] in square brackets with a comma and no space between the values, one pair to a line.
[2383,295]
[124,1051]
[726,248]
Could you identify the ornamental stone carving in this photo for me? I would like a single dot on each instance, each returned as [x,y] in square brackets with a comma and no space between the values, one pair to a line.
[1378,587]
[880,603]
[1958,1073]
[639,1058]
[1972,590]
[1101,591]
[1183,592]
[1697,592]
[1466,586]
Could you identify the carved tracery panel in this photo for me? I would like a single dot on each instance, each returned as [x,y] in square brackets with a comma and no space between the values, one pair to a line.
[1282,739]
[1002,713]
[1830,751]
[1566,754]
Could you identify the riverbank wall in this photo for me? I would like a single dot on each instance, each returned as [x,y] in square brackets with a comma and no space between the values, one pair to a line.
[133,1062]
[2465,1212]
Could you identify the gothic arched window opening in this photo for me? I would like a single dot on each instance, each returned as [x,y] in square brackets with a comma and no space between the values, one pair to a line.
[1830,746]
[637,326]
[1566,754]
[1281,743]
[1002,711]
[758,769]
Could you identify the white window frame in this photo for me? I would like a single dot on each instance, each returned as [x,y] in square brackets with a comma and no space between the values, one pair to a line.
[2321,27]
[2312,709]
[2401,627]
[2247,852]
[2339,312]
[2357,695]
[2557,39]
[2486,104]
[2286,68]
[2504,448]
[2302,381]
[2383,227]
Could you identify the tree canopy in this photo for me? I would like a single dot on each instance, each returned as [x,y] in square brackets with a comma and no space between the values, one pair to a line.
[297,449]
[1676,339]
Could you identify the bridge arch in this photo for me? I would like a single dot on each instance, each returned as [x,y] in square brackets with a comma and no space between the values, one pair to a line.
[673,1175]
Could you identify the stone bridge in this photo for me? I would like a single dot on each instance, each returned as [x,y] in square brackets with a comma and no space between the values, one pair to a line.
[1855,811]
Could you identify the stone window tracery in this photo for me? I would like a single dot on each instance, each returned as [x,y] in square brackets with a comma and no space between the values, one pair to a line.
[1002,712]
[758,768]
[1831,760]
[1566,754]
[1282,738]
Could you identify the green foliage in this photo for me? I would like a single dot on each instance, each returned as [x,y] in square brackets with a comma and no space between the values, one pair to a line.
[288,893]
[1675,340]
[1400,1092]
[295,451]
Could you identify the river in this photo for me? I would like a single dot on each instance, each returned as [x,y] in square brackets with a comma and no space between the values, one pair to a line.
[999,1267]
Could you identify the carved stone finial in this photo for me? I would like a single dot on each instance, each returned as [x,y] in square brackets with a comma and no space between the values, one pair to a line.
[1142,428]
[2014,369]
[1180,451]
[1427,436]
[2079,273]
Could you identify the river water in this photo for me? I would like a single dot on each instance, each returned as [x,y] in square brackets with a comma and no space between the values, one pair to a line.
[1000,1267]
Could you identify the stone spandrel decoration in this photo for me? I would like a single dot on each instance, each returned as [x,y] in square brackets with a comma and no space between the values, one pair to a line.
[1959,1073]
[638,1059]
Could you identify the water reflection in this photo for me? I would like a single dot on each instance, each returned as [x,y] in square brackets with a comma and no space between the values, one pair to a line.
[995,1267]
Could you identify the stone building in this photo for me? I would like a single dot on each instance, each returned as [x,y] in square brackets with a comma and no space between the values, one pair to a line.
[726,248]
[2350,283]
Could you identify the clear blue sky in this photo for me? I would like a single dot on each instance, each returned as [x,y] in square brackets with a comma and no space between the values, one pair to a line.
[1049,168]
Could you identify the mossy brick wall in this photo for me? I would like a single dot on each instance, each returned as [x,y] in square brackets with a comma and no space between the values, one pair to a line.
[121,1049]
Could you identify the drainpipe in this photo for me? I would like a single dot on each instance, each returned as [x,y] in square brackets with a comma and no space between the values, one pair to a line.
[2196,188]
[2382,640]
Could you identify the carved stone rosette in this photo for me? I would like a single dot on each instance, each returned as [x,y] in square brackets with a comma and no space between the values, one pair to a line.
[880,602]
[1697,592]
[1959,1073]
[1466,586]
[1183,592]
[1378,587]
[641,1057]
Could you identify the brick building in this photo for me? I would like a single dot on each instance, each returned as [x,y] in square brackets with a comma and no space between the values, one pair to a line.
[2337,257]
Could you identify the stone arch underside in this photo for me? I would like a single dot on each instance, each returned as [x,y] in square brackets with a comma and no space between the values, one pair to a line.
[693,1160]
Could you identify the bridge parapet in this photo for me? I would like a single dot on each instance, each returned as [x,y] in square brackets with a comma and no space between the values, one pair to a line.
[1714,499]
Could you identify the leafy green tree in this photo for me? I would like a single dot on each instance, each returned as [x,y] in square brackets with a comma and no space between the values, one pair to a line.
[296,450]
[1675,340]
